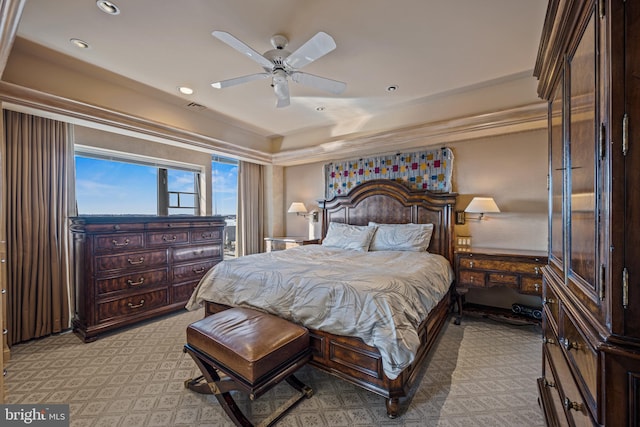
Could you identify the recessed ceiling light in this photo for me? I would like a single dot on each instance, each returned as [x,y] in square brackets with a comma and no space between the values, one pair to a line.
[392,88]
[185,90]
[79,43]
[320,108]
[108,7]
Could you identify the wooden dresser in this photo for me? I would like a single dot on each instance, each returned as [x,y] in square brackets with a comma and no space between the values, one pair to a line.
[588,67]
[132,268]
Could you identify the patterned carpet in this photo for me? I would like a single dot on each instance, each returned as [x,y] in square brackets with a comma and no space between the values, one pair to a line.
[481,373]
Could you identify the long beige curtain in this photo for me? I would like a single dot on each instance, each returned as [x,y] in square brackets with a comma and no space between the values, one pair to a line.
[250,227]
[38,176]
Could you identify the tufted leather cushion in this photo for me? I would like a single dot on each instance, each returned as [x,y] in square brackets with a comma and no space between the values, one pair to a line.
[248,342]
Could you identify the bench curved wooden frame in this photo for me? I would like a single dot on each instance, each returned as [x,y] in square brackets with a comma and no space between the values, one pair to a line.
[388,202]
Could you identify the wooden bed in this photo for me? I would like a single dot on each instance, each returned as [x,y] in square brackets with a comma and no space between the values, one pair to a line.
[382,201]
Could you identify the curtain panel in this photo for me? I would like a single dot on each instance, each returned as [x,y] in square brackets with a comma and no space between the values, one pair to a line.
[38,176]
[250,217]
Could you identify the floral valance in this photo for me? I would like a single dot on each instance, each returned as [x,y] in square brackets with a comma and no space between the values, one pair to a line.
[427,170]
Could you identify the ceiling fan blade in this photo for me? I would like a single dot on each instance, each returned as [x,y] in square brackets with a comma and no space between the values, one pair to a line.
[243,48]
[328,85]
[239,80]
[316,47]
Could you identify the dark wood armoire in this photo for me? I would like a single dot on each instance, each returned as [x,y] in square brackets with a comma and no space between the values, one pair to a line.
[588,67]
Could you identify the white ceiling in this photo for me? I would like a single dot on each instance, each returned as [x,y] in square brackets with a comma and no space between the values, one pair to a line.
[429,48]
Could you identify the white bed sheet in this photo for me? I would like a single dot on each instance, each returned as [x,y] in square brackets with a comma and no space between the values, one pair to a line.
[380,297]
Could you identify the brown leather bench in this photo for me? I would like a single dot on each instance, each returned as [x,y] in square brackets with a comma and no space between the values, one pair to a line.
[253,351]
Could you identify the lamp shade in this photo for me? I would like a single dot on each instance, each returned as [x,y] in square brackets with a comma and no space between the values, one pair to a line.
[482,205]
[297,207]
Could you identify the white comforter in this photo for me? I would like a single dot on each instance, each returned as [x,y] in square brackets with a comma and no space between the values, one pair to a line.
[380,297]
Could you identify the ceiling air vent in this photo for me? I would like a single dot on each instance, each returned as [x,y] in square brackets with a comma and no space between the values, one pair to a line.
[196,106]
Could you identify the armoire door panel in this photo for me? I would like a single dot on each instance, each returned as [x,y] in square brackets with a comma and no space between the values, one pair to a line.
[556,180]
[582,166]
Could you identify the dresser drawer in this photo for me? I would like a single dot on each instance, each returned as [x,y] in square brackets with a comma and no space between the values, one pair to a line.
[197,252]
[119,242]
[167,225]
[573,404]
[207,235]
[503,279]
[550,385]
[133,281]
[106,228]
[472,278]
[583,358]
[132,305]
[167,238]
[531,285]
[131,260]
[194,271]
[182,293]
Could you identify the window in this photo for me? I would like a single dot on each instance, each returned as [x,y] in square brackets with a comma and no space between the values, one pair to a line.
[108,185]
[224,197]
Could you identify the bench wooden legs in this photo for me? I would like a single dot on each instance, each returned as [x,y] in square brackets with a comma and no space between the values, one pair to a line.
[210,382]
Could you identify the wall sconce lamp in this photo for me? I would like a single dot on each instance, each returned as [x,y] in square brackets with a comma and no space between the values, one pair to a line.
[479,205]
[300,209]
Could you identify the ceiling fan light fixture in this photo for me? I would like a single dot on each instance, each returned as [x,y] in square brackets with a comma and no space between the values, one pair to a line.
[108,7]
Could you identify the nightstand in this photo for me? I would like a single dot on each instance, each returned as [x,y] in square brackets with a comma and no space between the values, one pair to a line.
[485,268]
[282,243]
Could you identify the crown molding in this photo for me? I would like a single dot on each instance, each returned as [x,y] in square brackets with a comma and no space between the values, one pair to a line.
[29,100]
[519,119]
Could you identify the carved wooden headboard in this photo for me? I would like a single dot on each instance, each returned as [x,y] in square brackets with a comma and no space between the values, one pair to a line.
[390,202]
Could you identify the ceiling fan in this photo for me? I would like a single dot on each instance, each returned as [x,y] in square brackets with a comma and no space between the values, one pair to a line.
[279,64]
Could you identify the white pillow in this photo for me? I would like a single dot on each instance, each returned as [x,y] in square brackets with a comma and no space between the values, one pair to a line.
[401,237]
[352,237]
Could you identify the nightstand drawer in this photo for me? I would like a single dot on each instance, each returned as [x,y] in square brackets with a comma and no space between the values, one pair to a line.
[503,279]
[531,285]
[472,278]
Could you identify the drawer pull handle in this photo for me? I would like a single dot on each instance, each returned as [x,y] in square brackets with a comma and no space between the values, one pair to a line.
[207,235]
[546,340]
[5,331]
[470,264]
[167,239]
[136,305]
[548,301]
[537,270]
[569,405]
[4,291]
[140,261]
[199,270]
[117,244]
[138,283]
[549,383]
[536,286]
[568,345]
[116,227]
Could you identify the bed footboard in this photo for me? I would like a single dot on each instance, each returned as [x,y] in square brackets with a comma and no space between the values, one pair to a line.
[352,360]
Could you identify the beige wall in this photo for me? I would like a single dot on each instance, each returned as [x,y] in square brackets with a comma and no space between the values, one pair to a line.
[510,168]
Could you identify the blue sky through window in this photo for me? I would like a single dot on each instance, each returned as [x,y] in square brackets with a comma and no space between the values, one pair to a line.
[107,187]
